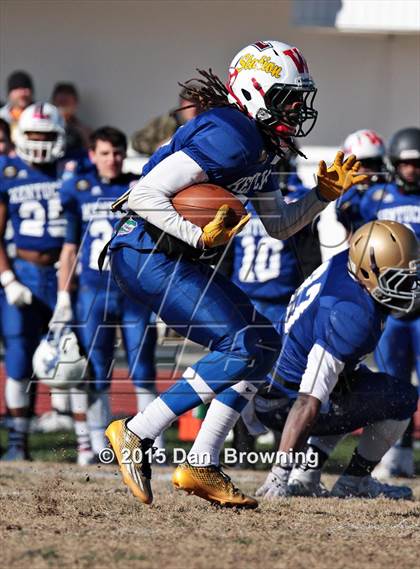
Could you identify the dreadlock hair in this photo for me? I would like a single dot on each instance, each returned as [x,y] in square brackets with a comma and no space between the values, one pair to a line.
[208,92]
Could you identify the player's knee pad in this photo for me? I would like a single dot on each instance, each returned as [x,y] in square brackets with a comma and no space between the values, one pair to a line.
[17,393]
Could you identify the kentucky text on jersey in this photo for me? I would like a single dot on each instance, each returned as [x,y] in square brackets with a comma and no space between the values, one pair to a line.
[87,206]
[229,148]
[388,202]
[33,202]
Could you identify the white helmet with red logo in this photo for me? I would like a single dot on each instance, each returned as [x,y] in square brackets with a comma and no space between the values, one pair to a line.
[364,144]
[40,118]
[270,80]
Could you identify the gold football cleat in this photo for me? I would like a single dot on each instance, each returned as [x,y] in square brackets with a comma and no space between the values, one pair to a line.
[133,456]
[212,484]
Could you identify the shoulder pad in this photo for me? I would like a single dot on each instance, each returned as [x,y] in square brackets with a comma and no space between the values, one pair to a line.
[349,327]
[235,134]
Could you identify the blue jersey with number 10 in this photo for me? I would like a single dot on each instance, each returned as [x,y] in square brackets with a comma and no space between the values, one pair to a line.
[333,310]
[263,267]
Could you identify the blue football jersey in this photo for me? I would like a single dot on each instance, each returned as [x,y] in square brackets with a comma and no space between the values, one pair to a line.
[228,146]
[387,201]
[33,203]
[348,209]
[330,309]
[86,201]
[263,267]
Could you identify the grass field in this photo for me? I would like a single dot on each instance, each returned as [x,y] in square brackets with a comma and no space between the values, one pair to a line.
[56,514]
[60,515]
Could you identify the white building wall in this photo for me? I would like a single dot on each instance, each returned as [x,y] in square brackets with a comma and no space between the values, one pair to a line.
[127,56]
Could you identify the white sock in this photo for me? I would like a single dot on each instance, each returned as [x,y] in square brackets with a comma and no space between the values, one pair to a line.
[60,400]
[144,398]
[79,400]
[326,443]
[156,418]
[219,420]
[82,435]
[378,438]
[16,393]
[98,418]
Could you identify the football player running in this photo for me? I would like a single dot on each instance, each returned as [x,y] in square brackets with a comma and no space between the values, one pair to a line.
[235,143]
[369,148]
[98,306]
[29,197]
[398,351]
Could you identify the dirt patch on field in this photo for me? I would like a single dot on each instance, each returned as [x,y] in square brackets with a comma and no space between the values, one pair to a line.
[68,517]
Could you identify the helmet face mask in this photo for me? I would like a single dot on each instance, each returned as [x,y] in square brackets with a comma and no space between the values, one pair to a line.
[383,257]
[399,289]
[39,151]
[40,134]
[290,107]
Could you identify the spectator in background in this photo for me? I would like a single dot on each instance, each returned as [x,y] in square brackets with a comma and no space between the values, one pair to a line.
[20,94]
[5,140]
[66,98]
[160,129]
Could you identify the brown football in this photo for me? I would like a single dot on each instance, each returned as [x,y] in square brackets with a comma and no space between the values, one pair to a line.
[200,203]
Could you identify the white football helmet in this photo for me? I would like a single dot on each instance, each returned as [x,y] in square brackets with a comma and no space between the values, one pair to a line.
[57,362]
[40,118]
[270,80]
[364,144]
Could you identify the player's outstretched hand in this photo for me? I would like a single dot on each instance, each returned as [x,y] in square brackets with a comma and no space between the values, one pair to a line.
[275,485]
[339,177]
[215,233]
[16,293]
[63,313]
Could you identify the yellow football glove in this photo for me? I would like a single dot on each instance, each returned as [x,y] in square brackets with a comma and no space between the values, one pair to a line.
[215,233]
[339,177]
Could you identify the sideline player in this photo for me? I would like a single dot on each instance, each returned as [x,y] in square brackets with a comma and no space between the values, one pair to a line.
[29,197]
[398,351]
[369,148]
[99,306]
[236,144]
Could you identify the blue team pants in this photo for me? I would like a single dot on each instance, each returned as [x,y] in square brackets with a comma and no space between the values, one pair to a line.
[23,327]
[365,399]
[99,312]
[205,308]
[398,350]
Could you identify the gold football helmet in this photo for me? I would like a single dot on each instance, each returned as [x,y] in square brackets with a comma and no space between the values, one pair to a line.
[383,257]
